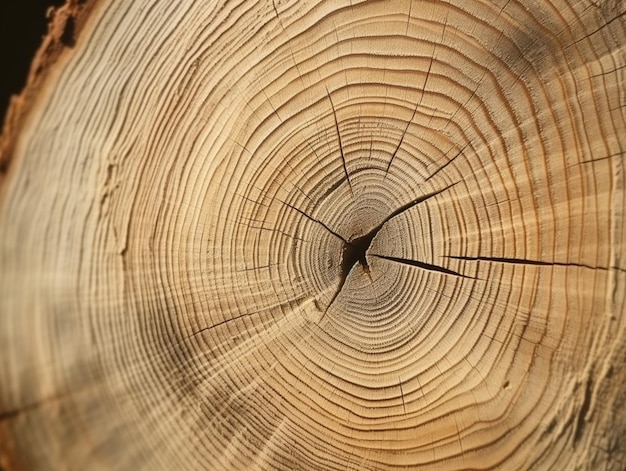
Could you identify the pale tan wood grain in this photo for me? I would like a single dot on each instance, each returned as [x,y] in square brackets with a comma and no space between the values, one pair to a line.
[186,189]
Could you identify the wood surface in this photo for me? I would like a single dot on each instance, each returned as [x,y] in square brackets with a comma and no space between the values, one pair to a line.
[317,235]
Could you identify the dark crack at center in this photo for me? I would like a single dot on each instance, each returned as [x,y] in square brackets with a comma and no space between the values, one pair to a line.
[355,250]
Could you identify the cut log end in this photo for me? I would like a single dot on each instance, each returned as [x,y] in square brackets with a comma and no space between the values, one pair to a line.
[316,235]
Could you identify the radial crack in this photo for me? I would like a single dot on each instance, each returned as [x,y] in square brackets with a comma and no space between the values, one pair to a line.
[523,261]
[343,157]
[315,220]
[342,281]
[417,105]
[406,128]
[402,395]
[411,204]
[447,163]
[283,306]
[355,250]
[422,265]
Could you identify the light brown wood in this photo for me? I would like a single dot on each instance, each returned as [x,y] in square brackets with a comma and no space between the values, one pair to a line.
[317,235]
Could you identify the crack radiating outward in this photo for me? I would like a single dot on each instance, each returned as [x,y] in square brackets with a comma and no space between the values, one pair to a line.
[343,156]
[355,250]
[315,220]
[422,265]
[523,261]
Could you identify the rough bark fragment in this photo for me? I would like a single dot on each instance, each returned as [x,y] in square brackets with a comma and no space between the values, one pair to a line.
[64,27]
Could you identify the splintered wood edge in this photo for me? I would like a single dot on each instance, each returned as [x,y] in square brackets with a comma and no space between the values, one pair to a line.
[64,27]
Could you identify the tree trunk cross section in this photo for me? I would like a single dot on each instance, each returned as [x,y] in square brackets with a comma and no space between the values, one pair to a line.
[317,235]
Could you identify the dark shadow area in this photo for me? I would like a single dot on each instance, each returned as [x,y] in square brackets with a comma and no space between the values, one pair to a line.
[23,25]
[355,250]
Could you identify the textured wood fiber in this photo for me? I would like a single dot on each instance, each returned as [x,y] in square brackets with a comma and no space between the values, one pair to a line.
[185,183]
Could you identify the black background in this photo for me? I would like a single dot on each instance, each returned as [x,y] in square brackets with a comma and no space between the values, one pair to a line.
[23,25]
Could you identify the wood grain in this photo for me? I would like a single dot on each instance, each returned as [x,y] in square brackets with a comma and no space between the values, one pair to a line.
[318,235]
